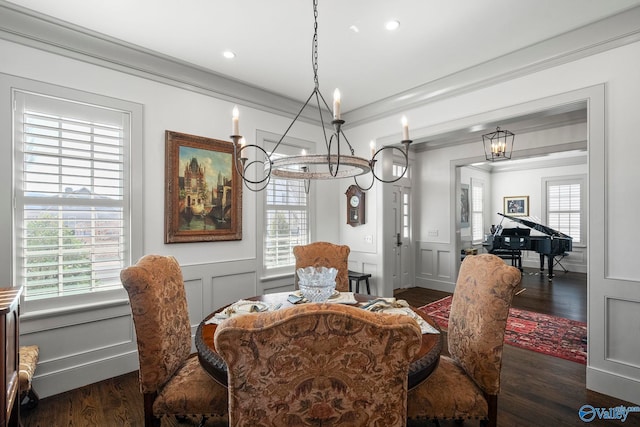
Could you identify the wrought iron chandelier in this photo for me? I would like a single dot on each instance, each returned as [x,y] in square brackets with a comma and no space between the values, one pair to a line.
[333,164]
[498,145]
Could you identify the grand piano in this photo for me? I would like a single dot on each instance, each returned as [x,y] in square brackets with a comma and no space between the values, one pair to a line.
[511,241]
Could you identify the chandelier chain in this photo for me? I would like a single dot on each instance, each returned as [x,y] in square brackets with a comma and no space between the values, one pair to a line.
[315,44]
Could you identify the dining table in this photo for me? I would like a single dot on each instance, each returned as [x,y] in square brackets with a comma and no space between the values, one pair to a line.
[422,365]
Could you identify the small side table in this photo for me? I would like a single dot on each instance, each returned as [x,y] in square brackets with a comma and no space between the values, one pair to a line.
[354,276]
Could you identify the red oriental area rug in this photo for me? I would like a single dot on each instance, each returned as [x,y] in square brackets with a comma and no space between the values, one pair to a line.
[542,333]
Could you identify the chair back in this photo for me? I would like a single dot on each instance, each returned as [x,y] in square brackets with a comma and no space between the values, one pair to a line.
[324,254]
[161,318]
[318,364]
[478,317]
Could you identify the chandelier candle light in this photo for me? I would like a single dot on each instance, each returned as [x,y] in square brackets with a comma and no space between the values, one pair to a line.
[330,165]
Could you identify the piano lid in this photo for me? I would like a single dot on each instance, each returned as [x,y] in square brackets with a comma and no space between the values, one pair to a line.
[542,228]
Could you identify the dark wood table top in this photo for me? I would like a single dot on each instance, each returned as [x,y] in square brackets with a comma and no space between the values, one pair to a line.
[421,367]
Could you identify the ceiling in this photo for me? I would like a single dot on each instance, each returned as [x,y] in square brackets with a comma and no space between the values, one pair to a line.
[272,39]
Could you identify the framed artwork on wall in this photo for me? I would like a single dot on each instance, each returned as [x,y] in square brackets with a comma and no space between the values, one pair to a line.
[203,193]
[464,205]
[516,205]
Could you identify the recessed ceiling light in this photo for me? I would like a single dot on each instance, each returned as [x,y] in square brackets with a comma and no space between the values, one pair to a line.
[228,54]
[354,29]
[392,25]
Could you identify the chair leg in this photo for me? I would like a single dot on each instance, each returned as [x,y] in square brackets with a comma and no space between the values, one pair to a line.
[149,419]
[492,403]
[31,401]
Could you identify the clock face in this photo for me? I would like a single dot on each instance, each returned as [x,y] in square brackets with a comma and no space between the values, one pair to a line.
[355,200]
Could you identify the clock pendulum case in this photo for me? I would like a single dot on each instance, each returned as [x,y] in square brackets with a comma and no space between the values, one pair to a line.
[355,206]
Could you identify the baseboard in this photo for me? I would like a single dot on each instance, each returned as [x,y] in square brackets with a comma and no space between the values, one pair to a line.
[81,375]
[435,285]
[623,388]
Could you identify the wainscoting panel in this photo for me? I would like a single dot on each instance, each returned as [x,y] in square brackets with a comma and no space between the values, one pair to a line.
[444,264]
[194,289]
[435,266]
[80,346]
[426,265]
[231,288]
[575,261]
[620,316]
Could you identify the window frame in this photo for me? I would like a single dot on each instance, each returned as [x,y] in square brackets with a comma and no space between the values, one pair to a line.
[289,145]
[480,184]
[567,180]
[132,175]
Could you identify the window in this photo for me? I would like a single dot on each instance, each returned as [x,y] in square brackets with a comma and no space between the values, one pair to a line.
[286,212]
[565,206]
[399,168]
[477,210]
[286,221]
[72,227]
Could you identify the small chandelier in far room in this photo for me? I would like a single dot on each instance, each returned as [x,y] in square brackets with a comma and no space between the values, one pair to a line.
[498,145]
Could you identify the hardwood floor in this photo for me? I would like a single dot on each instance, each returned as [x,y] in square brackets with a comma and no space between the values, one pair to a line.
[537,390]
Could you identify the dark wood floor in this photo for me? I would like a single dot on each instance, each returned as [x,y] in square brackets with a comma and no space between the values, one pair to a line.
[537,390]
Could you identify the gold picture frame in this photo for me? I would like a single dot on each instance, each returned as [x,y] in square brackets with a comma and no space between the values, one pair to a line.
[203,191]
[516,205]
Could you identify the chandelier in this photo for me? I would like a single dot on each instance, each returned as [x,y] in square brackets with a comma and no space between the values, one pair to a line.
[498,145]
[332,164]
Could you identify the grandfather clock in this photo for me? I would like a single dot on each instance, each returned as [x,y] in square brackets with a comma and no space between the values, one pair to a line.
[355,206]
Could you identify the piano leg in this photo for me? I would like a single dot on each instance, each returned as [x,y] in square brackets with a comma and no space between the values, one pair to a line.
[549,263]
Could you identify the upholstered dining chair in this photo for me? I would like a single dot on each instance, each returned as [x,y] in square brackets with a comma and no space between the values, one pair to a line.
[324,254]
[171,380]
[318,364]
[466,384]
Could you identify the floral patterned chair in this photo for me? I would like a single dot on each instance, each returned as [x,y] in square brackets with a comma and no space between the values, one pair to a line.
[324,254]
[466,384]
[318,364]
[171,380]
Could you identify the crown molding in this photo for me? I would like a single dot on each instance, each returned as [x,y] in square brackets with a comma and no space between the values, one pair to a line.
[23,26]
[615,31]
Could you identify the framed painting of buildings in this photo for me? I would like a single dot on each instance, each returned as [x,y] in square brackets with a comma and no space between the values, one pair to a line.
[203,192]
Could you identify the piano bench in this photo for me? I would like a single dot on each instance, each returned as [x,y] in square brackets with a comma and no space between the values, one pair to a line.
[557,260]
[514,255]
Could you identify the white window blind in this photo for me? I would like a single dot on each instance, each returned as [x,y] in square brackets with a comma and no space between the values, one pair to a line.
[564,211]
[71,198]
[286,221]
[477,211]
